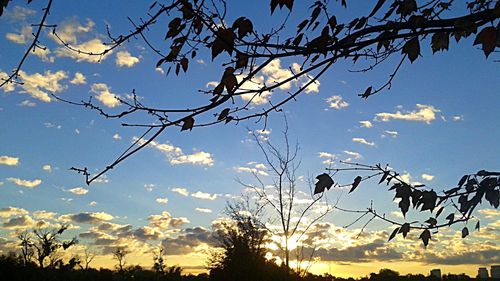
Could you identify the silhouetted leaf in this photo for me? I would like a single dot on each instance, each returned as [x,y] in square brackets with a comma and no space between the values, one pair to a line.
[393,234]
[465,232]
[229,80]
[405,228]
[314,16]
[450,218]
[184,63]
[187,123]
[412,49]
[431,221]
[462,181]
[429,200]
[440,41]
[439,211]
[223,114]
[241,60]
[488,39]
[477,226]
[355,184]
[3,4]
[384,177]
[406,7]
[492,196]
[377,7]
[324,181]
[425,236]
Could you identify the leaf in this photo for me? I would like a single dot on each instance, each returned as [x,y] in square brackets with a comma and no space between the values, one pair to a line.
[462,181]
[355,184]
[412,49]
[184,63]
[439,211]
[218,89]
[477,226]
[488,39]
[405,228]
[431,221]
[187,124]
[465,232]
[223,114]
[384,177]
[428,199]
[440,41]
[243,25]
[492,196]
[450,218]
[3,4]
[314,16]
[324,181]
[241,60]
[393,234]
[229,80]
[425,236]
[406,7]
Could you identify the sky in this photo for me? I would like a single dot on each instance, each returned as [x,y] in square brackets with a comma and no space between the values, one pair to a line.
[438,122]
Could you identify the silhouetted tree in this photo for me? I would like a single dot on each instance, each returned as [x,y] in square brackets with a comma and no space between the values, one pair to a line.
[119,255]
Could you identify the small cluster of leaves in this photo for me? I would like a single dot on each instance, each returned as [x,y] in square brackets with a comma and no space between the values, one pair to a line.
[464,198]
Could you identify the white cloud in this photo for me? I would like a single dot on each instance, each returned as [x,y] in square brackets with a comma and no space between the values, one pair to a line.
[18,14]
[78,191]
[117,137]
[124,58]
[336,102]
[21,38]
[41,214]
[363,141]
[93,203]
[391,133]
[94,46]
[27,103]
[160,70]
[254,168]
[78,79]
[162,200]
[165,221]
[366,124]
[9,160]
[397,214]
[203,210]
[12,211]
[356,155]
[38,85]
[149,187]
[204,195]
[181,191]
[69,30]
[104,95]
[427,177]
[458,118]
[329,157]
[176,156]
[25,183]
[49,125]
[422,113]
[47,168]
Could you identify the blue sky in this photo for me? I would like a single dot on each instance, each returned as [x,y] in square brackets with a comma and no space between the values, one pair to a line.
[438,122]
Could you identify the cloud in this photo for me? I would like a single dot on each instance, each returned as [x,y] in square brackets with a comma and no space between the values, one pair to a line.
[366,124]
[149,186]
[41,214]
[204,195]
[69,30]
[94,46]
[38,85]
[78,191]
[78,79]
[203,210]
[49,125]
[8,212]
[187,241]
[18,14]
[162,200]
[254,168]
[490,213]
[20,222]
[458,118]
[329,157]
[86,217]
[427,177]
[422,113]
[27,103]
[336,102]
[176,156]
[393,134]
[363,141]
[21,38]
[165,221]
[104,95]
[9,160]
[117,137]
[93,203]
[47,168]
[356,155]
[25,183]
[181,191]
[124,58]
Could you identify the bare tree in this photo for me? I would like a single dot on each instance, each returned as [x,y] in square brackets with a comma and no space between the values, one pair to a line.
[159,261]
[119,255]
[281,196]
[26,243]
[88,258]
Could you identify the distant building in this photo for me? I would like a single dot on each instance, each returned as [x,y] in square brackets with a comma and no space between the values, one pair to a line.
[495,271]
[482,273]
[436,273]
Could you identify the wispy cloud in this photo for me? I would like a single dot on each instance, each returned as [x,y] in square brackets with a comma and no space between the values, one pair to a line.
[25,183]
[180,191]
[336,102]
[422,113]
[78,191]
[356,155]
[363,141]
[9,160]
